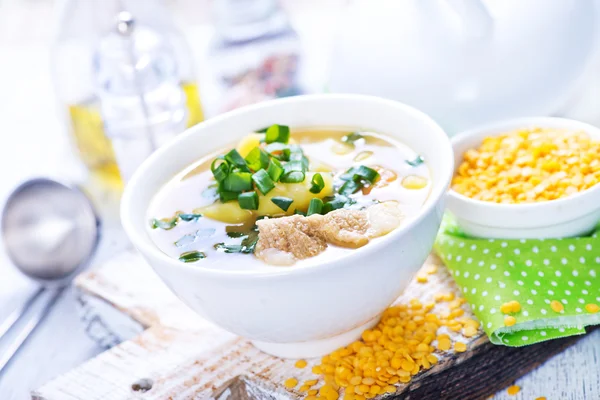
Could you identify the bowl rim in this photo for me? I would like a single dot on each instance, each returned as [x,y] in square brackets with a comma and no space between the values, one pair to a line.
[500,127]
[438,192]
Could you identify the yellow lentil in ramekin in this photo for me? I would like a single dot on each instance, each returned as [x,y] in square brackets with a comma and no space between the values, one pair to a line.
[529,165]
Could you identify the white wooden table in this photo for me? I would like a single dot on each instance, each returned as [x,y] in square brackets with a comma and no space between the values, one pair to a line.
[34,143]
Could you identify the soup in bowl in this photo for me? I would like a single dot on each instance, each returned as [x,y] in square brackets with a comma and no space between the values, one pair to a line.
[295,222]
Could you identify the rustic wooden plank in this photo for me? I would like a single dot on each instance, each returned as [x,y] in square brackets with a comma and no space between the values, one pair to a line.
[186,357]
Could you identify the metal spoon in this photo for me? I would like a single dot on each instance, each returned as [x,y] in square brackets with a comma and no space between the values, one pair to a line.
[50,232]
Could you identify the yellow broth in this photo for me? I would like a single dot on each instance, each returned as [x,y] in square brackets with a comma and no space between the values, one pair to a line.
[187,193]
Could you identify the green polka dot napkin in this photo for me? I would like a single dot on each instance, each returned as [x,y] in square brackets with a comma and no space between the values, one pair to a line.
[534,272]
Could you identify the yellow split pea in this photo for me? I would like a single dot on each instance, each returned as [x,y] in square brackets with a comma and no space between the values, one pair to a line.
[400,346]
[529,165]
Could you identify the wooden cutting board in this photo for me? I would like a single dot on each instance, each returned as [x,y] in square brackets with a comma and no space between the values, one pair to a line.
[158,343]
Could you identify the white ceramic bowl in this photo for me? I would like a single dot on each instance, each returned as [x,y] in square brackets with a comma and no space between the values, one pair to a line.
[569,216]
[307,310]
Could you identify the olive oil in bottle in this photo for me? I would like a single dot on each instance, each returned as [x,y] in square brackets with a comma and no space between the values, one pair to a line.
[80,26]
[95,148]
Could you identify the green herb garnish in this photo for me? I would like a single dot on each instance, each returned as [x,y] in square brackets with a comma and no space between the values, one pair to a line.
[235,159]
[282,202]
[416,162]
[263,181]
[279,150]
[247,246]
[226,196]
[237,234]
[350,187]
[170,223]
[275,169]
[190,217]
[248,200]
[220,168]
[238,182]
[185,240]
[165,224]
[191,256]
[366,173]
[317,183]
[277,133]
[356,178]
[315,207]
[257,159]
[293,177]
[352,137]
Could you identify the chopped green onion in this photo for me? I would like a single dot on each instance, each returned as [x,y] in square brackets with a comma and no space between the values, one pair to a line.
[190,217]
[350,187]
[282,202]
[248,200]
[185,240]
[360,172]
[220,168]
[279,150]
[192,256]
[317,183]
[293,177]
[416,162]
[275,169]
[263,181]
[236,160]
[336,202]
[262,130]
[349,175]
[165,224]
[277,133]
[366,173]
[352,137]
[247,246]
[257,159]
[238,182]
[237,234]
[206,232]
[226,196]
[292,166]
[228,248]
[298,212]
[315,207]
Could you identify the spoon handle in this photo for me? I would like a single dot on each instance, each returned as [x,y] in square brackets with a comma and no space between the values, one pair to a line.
[26,330]
[14,316]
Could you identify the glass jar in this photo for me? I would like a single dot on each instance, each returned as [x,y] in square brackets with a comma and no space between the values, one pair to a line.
[255,54]
[81,25]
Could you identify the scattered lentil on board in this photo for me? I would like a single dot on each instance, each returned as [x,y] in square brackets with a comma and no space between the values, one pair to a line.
[400,346]
[513,390]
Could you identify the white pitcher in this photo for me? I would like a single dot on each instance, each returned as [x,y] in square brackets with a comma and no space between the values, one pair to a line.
[465,62]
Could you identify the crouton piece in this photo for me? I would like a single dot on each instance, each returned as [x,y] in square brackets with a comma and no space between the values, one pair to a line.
[296,235]
[383,218]
[346,228]
[282,241]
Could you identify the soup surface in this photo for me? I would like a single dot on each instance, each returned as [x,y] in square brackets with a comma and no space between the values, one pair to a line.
[338,179]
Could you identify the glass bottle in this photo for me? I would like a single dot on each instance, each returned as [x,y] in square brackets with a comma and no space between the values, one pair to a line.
[255,54]
[81,25]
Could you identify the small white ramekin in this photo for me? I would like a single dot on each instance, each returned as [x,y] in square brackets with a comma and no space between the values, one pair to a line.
[566,217]
[306,310]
